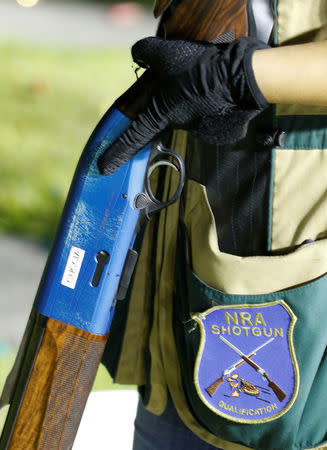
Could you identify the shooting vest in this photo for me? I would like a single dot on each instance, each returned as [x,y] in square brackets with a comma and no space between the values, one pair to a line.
[198,306]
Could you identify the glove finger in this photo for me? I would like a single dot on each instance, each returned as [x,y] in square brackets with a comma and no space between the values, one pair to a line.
[167,56]
[141,131]
[114,157]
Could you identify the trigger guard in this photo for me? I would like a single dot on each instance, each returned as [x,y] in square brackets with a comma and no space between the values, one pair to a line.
[152,204]
[161,163]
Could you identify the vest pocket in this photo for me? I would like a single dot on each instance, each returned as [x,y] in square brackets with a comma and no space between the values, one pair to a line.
[253,363]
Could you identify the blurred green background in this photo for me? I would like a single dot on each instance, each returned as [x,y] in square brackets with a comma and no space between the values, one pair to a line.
[50,101]
[53,92]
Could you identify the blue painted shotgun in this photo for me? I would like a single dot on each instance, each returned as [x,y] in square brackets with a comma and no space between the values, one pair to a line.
[98,229]
[92,259]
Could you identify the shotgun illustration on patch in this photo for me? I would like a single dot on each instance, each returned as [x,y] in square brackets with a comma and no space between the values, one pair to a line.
[212,389]
[280,394]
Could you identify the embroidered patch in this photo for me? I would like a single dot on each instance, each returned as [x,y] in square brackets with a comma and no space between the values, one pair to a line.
[246,368]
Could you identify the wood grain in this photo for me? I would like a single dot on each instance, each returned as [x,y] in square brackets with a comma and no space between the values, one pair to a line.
[206,20]
[60,382]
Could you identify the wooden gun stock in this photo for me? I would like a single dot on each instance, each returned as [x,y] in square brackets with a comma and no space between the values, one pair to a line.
[280,394]
[60,361]
[212,389]
[196,20]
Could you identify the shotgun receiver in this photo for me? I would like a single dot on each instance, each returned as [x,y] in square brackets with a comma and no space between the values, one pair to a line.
[92,258]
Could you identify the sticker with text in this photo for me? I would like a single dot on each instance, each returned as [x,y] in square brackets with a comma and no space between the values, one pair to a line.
[73,267]
[246,368]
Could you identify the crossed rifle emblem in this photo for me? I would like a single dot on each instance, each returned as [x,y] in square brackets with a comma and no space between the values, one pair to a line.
[211,390]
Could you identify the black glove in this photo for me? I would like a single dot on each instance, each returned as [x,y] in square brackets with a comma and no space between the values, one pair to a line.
[207,88]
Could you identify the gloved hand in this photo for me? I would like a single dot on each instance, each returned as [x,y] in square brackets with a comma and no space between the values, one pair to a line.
[207,88]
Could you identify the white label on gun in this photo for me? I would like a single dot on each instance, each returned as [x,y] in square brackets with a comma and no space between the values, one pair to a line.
[73,267]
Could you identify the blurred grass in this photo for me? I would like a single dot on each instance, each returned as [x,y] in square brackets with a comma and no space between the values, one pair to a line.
[51,99]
